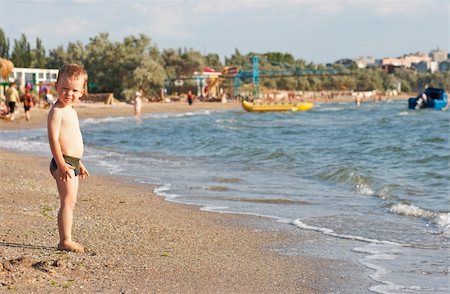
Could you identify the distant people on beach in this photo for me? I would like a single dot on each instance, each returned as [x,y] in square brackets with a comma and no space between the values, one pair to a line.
[12,98]
[190,98]
[43,90]
[137,104]
[3,109]
[66,144]
[27,99]
[358,101]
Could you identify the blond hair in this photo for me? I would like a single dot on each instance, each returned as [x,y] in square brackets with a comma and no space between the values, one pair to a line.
[72,71]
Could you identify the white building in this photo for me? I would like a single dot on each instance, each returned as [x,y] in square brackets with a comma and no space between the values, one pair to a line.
[36,76]
[33,75]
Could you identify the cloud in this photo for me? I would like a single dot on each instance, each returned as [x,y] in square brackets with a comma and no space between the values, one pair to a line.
[70,26]
[166,20]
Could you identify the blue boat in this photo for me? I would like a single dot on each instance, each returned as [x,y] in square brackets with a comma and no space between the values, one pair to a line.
[430,98]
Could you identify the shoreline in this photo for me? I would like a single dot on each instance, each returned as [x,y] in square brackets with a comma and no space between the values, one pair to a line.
[99,109]
[140,242]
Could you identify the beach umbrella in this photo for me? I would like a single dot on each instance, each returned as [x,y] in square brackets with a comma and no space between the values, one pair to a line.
[6,68]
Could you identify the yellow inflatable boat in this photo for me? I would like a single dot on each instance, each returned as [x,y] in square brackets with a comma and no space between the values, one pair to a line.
[255,107]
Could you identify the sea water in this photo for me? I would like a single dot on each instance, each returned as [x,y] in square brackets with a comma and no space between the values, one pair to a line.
[376,176]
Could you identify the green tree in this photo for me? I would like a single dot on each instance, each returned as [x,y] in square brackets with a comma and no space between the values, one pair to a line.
[21,54]
[100,64]
[435,79]
[243,62]
[76,53]
[286,83]
[389,82]
[213,60]
[281,58]
[369,80]
[303,84]
[57,57]
[4,45]
[38,58]
[149,75]
[171,62]
[119,67]
[345,83]
[192,61]
[408,80]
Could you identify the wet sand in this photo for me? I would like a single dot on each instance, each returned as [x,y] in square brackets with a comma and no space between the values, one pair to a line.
[140,243]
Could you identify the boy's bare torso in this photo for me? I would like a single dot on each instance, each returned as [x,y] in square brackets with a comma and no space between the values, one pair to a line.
[70,137]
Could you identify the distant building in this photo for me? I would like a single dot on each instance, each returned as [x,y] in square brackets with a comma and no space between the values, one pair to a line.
[436,60]
[389,68]
[423,66]
[444,65]
[32,75]
[363,62]
[346,62]
[438,55]
[407,60]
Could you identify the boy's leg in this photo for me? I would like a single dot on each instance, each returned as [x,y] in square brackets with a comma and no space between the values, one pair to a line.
[68,197]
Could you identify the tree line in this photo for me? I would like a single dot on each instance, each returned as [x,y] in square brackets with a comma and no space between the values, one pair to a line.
[137,63]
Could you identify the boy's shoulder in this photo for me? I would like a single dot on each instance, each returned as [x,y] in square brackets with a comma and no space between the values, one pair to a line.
[61,110]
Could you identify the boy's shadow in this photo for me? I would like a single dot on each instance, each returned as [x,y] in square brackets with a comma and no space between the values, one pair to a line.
[27,246]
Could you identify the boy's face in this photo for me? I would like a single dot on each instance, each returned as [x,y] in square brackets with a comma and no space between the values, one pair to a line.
[69,90]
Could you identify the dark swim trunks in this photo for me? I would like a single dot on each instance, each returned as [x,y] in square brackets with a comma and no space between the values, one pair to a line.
[72,161]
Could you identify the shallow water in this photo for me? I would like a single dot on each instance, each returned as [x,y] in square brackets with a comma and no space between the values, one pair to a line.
[378,174]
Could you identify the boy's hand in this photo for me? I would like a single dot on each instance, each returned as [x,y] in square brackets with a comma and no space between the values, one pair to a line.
[64,172]
[83,171]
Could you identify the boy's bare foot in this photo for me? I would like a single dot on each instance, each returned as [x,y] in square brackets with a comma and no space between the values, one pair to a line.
[71,246]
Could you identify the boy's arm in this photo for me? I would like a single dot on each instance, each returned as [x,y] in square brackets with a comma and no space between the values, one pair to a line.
[54,121]
[83,171]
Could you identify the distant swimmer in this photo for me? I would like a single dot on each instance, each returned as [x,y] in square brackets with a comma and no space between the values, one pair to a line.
[137,105]
[358,101]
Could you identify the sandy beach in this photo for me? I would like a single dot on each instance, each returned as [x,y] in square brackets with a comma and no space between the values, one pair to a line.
[140,243]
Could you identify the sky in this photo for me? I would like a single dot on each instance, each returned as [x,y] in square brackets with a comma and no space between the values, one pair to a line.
[320,31]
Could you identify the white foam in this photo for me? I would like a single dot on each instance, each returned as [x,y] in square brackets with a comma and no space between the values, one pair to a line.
[440,219]
[25,145]
[175,114]
[364,189]
[383,252]
[161,189]
[330,232]
[103,120]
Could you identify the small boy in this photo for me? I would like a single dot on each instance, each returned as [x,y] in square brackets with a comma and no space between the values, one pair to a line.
[66,144]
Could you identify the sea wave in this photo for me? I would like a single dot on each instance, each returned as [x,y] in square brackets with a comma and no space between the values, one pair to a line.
[117,119]
[345,175]
[299,223]
[103,120]
[441,219]
[26,144]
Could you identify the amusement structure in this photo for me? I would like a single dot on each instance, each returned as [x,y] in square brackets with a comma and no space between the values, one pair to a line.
[208,83]
[208,80]
[255,74]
